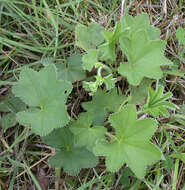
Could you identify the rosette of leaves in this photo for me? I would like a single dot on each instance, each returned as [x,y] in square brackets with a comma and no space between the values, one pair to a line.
[69,157]
[131,145]
[46,97]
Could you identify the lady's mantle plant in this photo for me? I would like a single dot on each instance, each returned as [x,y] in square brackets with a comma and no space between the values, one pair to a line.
[131,50]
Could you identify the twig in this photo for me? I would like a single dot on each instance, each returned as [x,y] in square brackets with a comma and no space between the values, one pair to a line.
[151,6]
[164,8]
[35,164]
[5,144]
[8,55]
[122,7]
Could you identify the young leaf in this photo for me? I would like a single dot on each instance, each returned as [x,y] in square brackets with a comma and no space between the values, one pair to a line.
[156,103]
[144,57]
[85,135]
[131,144]
[72,71]
[102,103]
[109,82]
[89,37]
[92,87]
[71,158]
[46,96]
[108,49]
[90,59]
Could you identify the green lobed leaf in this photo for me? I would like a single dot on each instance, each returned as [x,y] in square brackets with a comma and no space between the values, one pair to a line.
[46,97]
[90,59]
[139,93]
[131,25]
[85,134]
[8,120]
[144,57]
[72,70]
[73,161]
[3,83]
[61,138]
[102,103]
[89,37]
[175,72]
[12,104]
[107,50]
[131,143]
[71,158]
[156,102]
[125,174]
